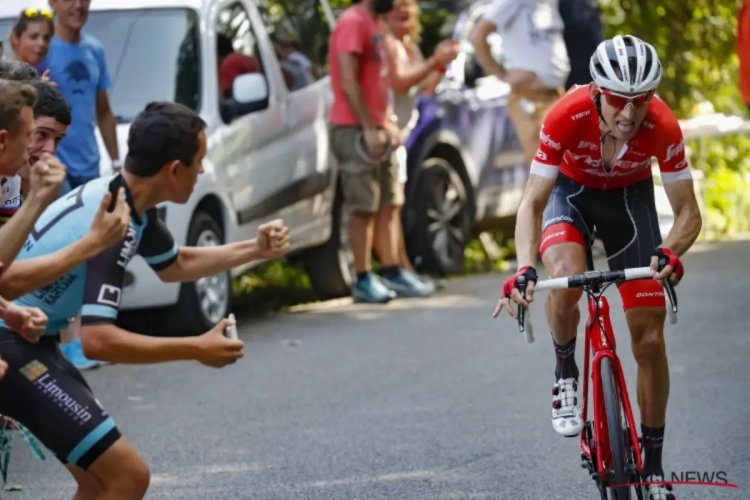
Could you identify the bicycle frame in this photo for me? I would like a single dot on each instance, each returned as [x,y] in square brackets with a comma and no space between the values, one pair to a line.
[601,343]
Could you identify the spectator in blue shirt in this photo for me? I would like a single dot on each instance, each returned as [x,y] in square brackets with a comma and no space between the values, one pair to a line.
[76,63]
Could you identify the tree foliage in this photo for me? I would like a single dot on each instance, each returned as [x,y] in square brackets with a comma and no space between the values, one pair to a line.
[695,42]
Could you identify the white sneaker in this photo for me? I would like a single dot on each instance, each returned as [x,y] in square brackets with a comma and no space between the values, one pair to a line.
[566,416]
[657,491]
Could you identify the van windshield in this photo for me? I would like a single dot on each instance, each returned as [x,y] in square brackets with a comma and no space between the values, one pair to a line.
[152,55]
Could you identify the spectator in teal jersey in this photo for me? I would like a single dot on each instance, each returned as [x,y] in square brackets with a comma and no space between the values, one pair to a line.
[76,64]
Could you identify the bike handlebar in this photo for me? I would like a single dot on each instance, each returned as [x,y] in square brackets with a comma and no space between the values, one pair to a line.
[588,280]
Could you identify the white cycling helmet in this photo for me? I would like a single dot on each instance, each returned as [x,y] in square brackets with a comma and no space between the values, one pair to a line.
[625,64]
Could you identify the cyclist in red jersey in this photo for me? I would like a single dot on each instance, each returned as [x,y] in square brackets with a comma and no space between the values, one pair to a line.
[592,174]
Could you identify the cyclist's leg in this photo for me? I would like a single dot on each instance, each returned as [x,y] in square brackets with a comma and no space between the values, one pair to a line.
[45,393]
[631,245]
[563,248]
[89,487]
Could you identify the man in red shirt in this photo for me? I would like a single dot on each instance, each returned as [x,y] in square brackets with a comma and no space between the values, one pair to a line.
[364,139]
[742,45]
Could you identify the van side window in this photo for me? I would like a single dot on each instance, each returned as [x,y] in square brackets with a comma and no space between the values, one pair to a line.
[299,31]
[237,54]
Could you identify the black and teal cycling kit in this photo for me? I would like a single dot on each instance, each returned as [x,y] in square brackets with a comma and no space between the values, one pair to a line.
[41,389]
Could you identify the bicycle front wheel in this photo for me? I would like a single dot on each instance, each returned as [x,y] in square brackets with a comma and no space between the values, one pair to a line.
[616,431]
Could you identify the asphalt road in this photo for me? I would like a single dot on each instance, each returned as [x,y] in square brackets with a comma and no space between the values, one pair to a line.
[417,400]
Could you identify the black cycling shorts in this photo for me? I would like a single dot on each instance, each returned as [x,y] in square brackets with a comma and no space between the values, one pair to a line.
[624,219]
[47,394]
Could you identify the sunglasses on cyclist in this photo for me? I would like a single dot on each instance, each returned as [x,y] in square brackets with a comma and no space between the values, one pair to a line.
[35,13]
[619,101]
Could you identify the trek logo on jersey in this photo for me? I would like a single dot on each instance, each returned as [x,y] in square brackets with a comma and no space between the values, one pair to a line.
[39,376]
[109,295]
[675,149]
[129,247]
[581,115]
[587,145]
[547,141]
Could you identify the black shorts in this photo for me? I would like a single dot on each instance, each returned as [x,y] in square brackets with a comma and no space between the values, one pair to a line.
[47,394]
[624,219]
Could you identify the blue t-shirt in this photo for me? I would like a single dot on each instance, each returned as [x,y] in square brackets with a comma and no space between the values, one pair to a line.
[80,71]
[95,287]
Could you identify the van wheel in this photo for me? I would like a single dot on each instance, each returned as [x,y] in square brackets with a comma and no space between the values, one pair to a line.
[439,225]
[205,302]
[329,265]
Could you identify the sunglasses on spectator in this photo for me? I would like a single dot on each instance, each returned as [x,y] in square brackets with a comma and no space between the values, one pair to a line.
[34,13]
[619,101]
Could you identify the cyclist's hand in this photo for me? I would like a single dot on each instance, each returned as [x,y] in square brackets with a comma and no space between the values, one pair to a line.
[511,293]
[218,351]
[666,264]
[47,174]
[272,240]
[29,322]
[3,368]
[109,228]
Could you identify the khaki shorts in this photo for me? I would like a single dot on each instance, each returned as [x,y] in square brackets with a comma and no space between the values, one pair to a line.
[367,187]
[526,112]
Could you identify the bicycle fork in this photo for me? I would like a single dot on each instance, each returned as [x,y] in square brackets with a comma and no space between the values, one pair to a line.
[596,453]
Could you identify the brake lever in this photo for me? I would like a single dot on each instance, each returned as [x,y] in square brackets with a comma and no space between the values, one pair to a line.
[672,296]
[524,324]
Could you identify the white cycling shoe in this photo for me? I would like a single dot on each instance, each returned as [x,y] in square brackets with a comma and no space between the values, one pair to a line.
[656,490]
[566,415]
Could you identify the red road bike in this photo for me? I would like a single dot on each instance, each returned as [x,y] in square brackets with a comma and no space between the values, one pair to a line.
[610,446]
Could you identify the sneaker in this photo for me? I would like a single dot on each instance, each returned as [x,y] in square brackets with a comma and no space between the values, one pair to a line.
[73,352]
[655,489]
[427,281]
[371,290]
[566,416]
[407,284]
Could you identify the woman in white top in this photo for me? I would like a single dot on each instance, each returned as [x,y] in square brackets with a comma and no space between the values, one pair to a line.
[410,73]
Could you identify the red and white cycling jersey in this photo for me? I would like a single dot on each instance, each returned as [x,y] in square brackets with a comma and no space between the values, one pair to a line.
[570,142]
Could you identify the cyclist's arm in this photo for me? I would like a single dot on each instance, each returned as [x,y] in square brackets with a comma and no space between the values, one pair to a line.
[25,276]
[194,263]
[529,219]
[174,265]
[556,132]
[687,216]
[498,15]
[103,339]
[678,185]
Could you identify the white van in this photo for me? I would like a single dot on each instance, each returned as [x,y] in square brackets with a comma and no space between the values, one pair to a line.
[268,154]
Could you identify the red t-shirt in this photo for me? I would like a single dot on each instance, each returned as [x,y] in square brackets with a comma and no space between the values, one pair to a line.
[234,65]
[570,142]
[357,31]
[743,49]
